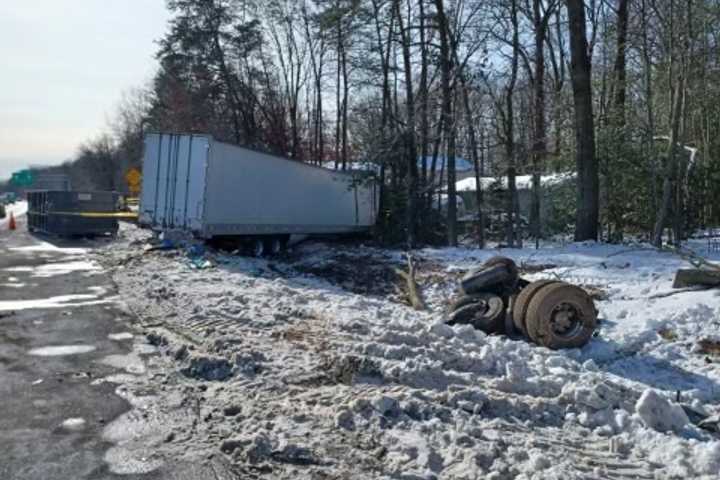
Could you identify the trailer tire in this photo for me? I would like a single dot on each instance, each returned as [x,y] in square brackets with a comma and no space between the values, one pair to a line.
[258,247]
[561,316]
[273,246]
[521,303]
[496,277]
[484,311]
[465,300]
[500,260]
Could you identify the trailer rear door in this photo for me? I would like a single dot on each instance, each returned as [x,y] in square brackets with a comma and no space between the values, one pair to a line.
[174,170]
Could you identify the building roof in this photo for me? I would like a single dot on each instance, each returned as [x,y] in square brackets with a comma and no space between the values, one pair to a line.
[461,164]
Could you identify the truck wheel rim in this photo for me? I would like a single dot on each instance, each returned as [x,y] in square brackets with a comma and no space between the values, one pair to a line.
[566,320]
[482,308]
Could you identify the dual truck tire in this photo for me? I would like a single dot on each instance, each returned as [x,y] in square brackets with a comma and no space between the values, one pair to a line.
[555,314]
[268,246]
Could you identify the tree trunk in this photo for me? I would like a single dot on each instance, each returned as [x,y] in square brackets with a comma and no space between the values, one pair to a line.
[671,165]
[619,69]
[346,90]
[424,107]
[409,135]
[448,120]
[509,127]
[586,222]
[470,125]
[338,105]
[540,21]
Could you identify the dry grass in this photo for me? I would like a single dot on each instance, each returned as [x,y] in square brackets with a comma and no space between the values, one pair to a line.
[667,334]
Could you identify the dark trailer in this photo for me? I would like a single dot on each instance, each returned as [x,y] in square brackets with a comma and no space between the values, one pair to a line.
[72,213]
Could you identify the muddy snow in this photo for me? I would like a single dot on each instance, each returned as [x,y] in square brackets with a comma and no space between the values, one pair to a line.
[314,366]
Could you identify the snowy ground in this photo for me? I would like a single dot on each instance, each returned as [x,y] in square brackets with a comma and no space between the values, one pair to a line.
[313,366]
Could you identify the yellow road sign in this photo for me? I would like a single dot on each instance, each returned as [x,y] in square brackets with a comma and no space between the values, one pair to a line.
[133,178]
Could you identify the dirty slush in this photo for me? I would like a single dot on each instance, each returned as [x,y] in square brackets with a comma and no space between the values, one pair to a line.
[315,366]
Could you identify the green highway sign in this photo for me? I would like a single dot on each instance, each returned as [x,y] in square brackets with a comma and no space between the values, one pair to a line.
[23,178]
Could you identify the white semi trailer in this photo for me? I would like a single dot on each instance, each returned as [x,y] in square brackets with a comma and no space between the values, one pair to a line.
[214,189]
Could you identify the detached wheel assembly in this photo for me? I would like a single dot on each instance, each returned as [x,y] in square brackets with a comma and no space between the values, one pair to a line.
[550,313]
[560,315]
[522,302]
[484,311]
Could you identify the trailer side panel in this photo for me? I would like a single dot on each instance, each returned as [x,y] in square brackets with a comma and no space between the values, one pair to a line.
[250,192]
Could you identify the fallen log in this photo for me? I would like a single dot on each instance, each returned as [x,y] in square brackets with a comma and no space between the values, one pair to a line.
[689,277]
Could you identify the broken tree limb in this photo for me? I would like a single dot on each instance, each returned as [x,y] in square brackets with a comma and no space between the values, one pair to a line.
[413,291]
[692,257]
[689,277]
[675,292]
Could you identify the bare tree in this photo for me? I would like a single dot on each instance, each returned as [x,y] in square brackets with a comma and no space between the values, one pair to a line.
[446,65]
[586,219]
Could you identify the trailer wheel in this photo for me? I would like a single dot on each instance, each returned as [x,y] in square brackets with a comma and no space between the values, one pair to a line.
[274,246]
[521,303]
[258,247]
[561,316]
[483,311]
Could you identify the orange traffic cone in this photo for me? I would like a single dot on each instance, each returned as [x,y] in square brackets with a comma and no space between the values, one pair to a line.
[11,223]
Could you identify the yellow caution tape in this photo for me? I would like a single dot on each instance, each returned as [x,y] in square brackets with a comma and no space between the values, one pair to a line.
[128,215]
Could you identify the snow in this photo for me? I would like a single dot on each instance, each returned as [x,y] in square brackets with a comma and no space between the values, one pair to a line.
[659,413]
[118,337]
[61,350]
[74,424]
[522,182]
[41,246]
[53,269]
[59,301]
[331,370]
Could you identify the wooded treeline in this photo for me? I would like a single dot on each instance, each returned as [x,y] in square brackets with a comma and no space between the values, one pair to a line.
[625,93]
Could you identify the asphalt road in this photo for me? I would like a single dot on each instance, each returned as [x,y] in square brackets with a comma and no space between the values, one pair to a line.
[40,390]
[60,327]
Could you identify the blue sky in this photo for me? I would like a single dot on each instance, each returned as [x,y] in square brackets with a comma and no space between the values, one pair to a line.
[64,65]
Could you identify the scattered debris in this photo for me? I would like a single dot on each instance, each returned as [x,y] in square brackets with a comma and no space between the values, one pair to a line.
[535,267]
[348,369]
[709,346]
[711,424]
[596,292]
[667,334]
[208,368]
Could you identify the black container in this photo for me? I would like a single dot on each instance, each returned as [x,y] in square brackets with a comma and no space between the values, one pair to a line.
[68,213]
